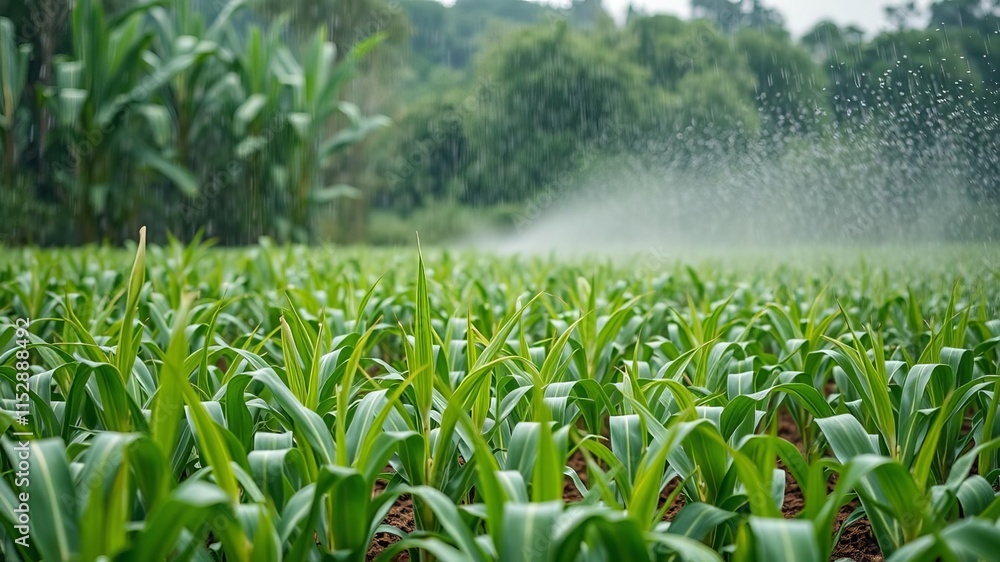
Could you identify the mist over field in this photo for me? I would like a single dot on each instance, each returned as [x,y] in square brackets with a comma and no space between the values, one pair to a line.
[845,192]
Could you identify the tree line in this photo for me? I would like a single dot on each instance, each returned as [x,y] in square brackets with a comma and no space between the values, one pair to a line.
[689,93]
[260,117]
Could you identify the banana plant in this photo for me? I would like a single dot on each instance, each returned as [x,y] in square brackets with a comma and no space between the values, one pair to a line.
[198,93]
[105,92]
[314,88]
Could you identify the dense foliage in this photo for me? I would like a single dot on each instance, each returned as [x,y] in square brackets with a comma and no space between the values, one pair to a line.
[690,95]
[276,403]
[151,111]
[238,117]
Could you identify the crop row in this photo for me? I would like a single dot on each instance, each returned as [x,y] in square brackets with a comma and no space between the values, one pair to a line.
[280,403]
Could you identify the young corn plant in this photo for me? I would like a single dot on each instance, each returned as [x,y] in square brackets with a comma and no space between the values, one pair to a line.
[290,403]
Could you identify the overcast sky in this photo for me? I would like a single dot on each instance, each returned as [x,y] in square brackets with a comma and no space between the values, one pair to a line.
[800,15]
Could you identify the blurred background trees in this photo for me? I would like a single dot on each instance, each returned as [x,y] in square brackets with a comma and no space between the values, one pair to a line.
[260,117]
[182,115]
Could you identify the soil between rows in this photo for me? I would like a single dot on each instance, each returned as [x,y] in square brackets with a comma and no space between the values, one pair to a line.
[857,541]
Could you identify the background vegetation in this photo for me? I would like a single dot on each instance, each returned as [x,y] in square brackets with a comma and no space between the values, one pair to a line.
[259,117]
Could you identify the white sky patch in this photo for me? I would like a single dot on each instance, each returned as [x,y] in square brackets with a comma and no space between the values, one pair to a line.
[800,15]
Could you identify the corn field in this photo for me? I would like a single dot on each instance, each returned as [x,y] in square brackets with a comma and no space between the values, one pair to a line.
[183,402]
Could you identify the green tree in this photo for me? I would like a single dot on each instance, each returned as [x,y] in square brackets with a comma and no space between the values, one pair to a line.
[429,152]
[452,36]
[670,49]
[555,91]
[347,23]
[706,83]
[919,90]
[903,15]
[706,118]
[732,15]
[726,14]
[150,107]
[589,14]
[829,42]
[980,14]
[14,60]
[283,135]
[789,85]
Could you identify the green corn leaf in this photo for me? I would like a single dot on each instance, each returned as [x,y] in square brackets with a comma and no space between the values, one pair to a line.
[126,353]
[529,531]
[784,540]
[695,520]
[55,529]
[168,403]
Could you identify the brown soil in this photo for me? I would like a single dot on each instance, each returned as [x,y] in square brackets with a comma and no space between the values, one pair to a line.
[579,465]
[966,425]
[678,501]
[830,388]
[788,431]
[794,501]
[401,516]
[857,542]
